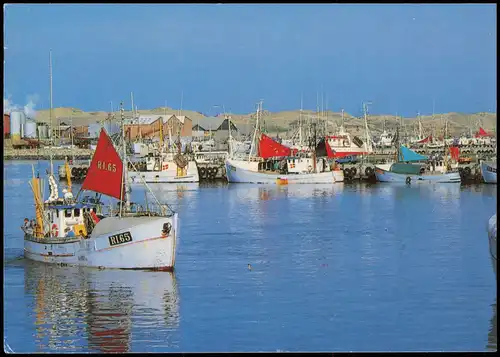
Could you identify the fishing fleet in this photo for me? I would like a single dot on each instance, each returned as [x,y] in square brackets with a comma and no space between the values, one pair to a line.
[81,230]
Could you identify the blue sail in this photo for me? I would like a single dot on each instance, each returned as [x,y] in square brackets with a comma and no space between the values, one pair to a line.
[406,154]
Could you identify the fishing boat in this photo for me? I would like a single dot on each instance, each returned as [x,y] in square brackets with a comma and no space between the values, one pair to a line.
[79,232]
[492,238]
[274,164]
[489,171]
[343,145]
[409,169]
[165,167]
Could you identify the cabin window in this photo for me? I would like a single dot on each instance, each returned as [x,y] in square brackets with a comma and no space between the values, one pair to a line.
[67,213]
[77,212]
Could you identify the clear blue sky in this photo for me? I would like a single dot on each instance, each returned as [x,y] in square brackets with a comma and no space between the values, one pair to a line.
[400,57]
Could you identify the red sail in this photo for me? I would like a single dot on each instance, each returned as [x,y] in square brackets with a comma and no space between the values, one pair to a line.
[455,152]
[106,169]
[270,148]
[329,150]
[481,133]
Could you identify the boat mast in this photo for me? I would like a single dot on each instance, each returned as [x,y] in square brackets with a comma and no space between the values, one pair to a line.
[124,159]
[300,121]
[257,128]
[367,133]
[72,145]
[50,115]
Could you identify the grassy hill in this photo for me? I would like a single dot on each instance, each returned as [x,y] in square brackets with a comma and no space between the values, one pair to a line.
[281,121]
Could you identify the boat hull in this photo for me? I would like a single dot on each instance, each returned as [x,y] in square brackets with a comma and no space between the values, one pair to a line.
[387,176]
[492,238]
[489,172]
[144,248]
[163,176]
[237,174]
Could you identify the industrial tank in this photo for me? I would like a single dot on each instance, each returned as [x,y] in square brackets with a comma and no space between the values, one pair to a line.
[6,125]
[16,120]
[43,131]
[30,129]
[23,123]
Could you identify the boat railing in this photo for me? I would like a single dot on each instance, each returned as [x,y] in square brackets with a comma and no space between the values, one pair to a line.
[141,210]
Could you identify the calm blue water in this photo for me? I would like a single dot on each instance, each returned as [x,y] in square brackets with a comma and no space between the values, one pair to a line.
[334,268]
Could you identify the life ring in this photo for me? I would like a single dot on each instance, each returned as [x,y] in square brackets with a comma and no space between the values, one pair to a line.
[203,172]
[55,230]
[408,180]
[165,167]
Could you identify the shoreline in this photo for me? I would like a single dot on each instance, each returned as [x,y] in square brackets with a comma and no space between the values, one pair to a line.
[44,154]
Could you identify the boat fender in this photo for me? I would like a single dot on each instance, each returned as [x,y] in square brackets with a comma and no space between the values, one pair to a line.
[55,230]
[309,168]
[203,172]
[73,172]
[345,143]
[369,171]
[354,171]
[422,170]
[408,180]
[85,170]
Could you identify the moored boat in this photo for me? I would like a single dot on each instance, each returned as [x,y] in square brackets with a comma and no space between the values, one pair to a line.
[79,232]
[409,169]
[165,167]
[489,171]
[492,240]
[273,163]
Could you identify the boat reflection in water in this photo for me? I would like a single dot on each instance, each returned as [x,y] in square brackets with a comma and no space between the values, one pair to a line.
[492,335]
[81,309]
[167,192]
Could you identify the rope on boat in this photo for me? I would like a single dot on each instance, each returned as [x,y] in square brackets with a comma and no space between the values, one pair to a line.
[150,191]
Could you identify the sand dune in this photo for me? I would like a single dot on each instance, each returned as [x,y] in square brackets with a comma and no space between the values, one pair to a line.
[280,121]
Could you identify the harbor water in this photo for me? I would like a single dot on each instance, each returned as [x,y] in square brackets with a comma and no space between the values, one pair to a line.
[341,267]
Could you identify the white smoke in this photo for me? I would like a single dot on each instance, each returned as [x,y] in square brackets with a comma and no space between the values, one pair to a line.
[29,109]
[9,106]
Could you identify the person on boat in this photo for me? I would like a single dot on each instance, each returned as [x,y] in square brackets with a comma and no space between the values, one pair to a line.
[69,232]
[26,227]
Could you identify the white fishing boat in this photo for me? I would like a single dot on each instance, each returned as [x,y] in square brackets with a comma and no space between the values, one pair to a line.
[165,167]
[273,164]
[489,171]
[492,238]
[79,232]
[342,144]
[412,167]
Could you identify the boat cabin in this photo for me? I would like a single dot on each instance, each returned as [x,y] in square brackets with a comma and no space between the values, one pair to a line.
[72,216]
